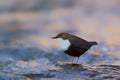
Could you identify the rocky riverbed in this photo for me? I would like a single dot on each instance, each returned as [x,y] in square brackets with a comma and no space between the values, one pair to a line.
[23,61]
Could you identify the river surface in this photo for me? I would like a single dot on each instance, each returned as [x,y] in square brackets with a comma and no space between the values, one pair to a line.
[27,51]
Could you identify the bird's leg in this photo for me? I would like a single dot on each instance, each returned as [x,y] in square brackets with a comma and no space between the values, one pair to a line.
[73,59]
[77,60]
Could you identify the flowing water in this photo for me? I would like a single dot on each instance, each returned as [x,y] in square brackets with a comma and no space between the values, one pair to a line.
[27,51]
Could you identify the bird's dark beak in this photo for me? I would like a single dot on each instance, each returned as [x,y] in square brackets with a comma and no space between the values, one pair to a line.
[95,43]
[54,37]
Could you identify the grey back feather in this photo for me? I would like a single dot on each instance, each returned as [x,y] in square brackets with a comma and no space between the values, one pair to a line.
[79,42]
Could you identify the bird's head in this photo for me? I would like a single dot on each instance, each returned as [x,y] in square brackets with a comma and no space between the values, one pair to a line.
[62,35]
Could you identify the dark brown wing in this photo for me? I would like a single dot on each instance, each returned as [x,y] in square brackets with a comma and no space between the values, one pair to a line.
[79,42]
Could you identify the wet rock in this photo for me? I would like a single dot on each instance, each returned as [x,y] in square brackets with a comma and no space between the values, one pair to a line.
[24,60]
[69,71]
[43,75]
[43,68]
[10,76]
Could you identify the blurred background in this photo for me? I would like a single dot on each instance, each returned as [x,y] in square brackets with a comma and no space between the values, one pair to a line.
[26,28]
[39,20]
[31,24]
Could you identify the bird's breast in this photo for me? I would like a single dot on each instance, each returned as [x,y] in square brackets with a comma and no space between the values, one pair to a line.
[64,44]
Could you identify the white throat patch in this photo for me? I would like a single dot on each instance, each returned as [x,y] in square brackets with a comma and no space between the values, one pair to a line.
[64,44]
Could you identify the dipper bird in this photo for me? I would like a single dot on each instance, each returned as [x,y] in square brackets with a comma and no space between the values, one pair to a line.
[73,45]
